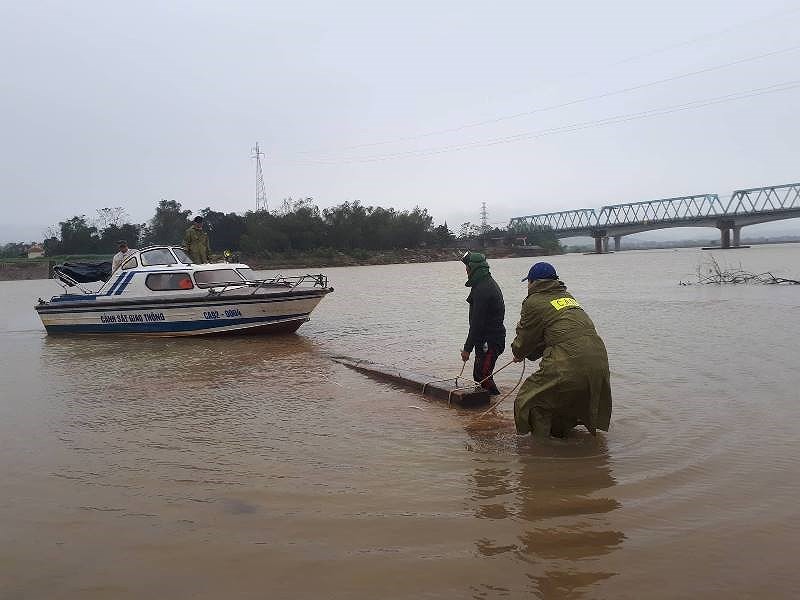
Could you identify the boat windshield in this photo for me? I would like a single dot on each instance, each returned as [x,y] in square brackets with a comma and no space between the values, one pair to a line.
[247,273]
[182,256]
[157,256]
[217,277]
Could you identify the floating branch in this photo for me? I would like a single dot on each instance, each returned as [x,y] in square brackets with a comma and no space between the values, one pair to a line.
[712,273]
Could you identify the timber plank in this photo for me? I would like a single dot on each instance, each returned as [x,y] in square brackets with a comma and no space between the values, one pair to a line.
[463,393]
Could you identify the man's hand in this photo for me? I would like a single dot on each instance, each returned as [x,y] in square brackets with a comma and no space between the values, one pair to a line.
[464,356]
[519,359]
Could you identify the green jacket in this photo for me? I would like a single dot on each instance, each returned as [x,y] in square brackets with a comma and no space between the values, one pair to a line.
[196,243]
[486,307]
[573,381]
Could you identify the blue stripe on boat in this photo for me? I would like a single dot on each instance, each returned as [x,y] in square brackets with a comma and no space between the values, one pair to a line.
[167,327]
[116,283]
[125,283]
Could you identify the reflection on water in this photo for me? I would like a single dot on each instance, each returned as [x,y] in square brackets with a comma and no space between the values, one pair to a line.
[556,494]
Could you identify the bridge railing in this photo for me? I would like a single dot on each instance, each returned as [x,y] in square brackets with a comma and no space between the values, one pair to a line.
[764,199]
[682,208]
[566,220]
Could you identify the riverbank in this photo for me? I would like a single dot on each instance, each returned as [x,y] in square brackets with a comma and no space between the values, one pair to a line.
[358,258]
[21,269]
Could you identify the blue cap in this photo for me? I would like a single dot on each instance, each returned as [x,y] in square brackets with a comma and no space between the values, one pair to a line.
[541,270]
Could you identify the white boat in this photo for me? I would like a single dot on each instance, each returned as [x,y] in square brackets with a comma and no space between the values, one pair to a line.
[158,291]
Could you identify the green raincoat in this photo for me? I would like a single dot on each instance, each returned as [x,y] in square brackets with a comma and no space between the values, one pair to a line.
[572,384]
[196,244]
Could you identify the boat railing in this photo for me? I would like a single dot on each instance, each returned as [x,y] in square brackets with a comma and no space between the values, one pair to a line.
[279,281]
[67,281]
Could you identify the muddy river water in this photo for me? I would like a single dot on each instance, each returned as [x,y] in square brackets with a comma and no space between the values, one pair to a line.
[256,467]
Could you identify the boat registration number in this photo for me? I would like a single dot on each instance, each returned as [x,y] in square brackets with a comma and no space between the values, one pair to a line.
[226,314]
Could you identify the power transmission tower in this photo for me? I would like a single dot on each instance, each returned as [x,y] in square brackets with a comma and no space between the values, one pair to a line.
[484,223]
[261,192]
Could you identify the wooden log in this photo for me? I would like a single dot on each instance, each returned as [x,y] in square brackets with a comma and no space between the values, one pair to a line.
[462,393]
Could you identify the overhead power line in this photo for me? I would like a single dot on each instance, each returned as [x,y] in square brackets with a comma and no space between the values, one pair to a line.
[576,101]
[613,120]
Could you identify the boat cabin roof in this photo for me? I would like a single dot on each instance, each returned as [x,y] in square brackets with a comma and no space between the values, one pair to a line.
[157,257]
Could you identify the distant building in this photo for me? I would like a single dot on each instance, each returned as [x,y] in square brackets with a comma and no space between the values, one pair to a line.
[35,251]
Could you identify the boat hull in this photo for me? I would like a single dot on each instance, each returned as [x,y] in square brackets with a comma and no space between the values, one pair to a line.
[207,315]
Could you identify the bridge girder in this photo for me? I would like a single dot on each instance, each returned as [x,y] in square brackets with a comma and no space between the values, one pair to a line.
[660,211]
[574,222]
[774,198]
[745,207]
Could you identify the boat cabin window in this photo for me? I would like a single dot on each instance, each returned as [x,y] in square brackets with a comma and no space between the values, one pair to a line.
[157,256]
[182,256]
[160,282]
[131,263]
[217,277]
[248,274]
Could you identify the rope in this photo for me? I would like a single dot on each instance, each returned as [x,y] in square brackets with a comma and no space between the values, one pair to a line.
[506,395]
[469,387]
[511,362]
[455,382]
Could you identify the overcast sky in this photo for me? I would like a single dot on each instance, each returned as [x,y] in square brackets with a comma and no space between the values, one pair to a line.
[390,103]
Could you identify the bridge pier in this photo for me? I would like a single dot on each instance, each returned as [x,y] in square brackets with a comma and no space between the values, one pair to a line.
[601,244]
[725,238]
[617,242]
[726,228]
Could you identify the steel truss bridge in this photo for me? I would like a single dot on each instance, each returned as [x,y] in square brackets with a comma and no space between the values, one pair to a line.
[745,207]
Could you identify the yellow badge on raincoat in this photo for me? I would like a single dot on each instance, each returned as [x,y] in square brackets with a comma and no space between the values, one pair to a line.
[561,303]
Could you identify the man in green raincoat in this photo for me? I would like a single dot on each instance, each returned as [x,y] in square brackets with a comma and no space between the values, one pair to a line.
[196,242]
[487,334]
[572,385]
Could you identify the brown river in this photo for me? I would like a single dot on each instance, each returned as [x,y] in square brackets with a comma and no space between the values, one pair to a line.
[256,467]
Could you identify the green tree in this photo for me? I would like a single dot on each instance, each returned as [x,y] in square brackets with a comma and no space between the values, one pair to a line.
[345,225]
[168,225]
[441,236]
[78,237]
[262,234]
[537,235]
[303,225]
[112,234]
[224,230]
[13,250]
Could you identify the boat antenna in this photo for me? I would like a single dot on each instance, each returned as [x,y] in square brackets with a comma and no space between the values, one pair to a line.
[261,193]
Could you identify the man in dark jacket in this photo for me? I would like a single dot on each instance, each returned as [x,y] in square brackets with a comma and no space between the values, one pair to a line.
[572,384]
[487,334]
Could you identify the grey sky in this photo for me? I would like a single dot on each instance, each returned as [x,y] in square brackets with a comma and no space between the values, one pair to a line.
[121,104]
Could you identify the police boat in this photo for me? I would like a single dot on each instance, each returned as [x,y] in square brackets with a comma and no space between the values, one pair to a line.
[159,291]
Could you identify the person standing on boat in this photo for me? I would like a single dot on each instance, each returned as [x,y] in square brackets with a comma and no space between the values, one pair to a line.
[487,334]
[196,242]
[572,384]
[119,257]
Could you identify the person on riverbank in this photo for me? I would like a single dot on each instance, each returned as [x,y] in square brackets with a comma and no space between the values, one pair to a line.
[123,253]
[487,334]
[572,385]
[196,242]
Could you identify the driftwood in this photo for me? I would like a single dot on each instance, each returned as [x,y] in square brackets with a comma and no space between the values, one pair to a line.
[454,390]
[711,272]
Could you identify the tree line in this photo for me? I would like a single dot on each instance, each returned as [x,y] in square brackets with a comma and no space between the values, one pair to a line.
[297,226]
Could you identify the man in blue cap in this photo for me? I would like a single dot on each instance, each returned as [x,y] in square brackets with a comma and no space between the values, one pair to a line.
[572,385]
[487,334]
